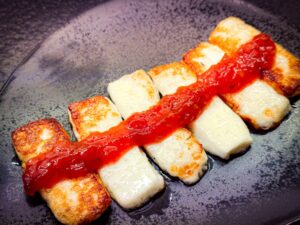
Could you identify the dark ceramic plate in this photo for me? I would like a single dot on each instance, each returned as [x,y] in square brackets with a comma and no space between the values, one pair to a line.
[117,37]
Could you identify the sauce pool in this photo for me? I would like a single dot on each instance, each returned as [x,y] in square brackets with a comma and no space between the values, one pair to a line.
[173,111]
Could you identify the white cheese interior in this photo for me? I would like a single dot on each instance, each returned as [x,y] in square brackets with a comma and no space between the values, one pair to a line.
[221,131]
[131,180]
[133,93]
[218,128]
[259,103]
[262,104]
[180,154]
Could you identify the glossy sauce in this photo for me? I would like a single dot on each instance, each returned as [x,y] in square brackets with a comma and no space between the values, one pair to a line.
[172,112]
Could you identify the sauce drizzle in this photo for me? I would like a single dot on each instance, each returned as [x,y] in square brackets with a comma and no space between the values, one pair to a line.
[173,111]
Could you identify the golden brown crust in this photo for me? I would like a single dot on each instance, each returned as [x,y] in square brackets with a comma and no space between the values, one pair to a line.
[232,32]
[73,201]
[284,77]
[77,201]
[205,55]
[189,57]
[236,108]
[37,137]
[234,105]
[87,113]
[141,75]
[189,169]
[227,34]
[176,67]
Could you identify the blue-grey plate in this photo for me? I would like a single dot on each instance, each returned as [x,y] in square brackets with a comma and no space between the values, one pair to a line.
[261,186]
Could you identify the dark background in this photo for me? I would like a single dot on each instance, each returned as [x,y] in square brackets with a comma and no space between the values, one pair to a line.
[26,23]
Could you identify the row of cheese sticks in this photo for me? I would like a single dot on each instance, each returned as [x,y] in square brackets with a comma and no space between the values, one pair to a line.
[132,180]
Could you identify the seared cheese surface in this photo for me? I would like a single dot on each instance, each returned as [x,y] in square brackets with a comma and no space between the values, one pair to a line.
[94,114]
[131,180]
[258,103]
[218,128]
[180,154]
[73,201]
[232,32]
[136,84]
[167,79]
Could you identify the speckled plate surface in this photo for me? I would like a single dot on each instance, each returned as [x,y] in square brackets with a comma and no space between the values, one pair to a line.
[117,37]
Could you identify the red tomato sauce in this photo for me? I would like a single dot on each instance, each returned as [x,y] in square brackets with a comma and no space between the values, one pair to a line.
[173,111]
